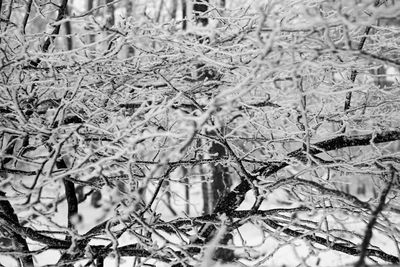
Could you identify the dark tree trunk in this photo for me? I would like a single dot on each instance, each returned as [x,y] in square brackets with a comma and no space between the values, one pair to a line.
[184,15]
[200,7]
[110,13]
[70,195]
[90,7]
[68,31]
[220,175]
[220,178]
[174,9]
[381,72]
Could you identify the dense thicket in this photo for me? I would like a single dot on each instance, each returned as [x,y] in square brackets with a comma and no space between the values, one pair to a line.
[187,133]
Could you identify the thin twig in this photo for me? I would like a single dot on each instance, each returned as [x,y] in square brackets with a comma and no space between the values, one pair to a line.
[374,218]
[26,17]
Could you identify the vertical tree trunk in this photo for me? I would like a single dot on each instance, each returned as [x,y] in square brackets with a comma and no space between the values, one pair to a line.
[110,22]
[220,175]
[128,7]
[159,11]
[110,13]
[220,179]
[187,189]
[208,192]
[129,12]
[68,31]
[382,80]
[90,7]
[70,192]
[174,9]
[204,185]
[70,195]
[184,15]
[200,7]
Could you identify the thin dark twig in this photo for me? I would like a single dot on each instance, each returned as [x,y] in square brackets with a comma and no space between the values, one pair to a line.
[160,183]
[374,218]
[26,17]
